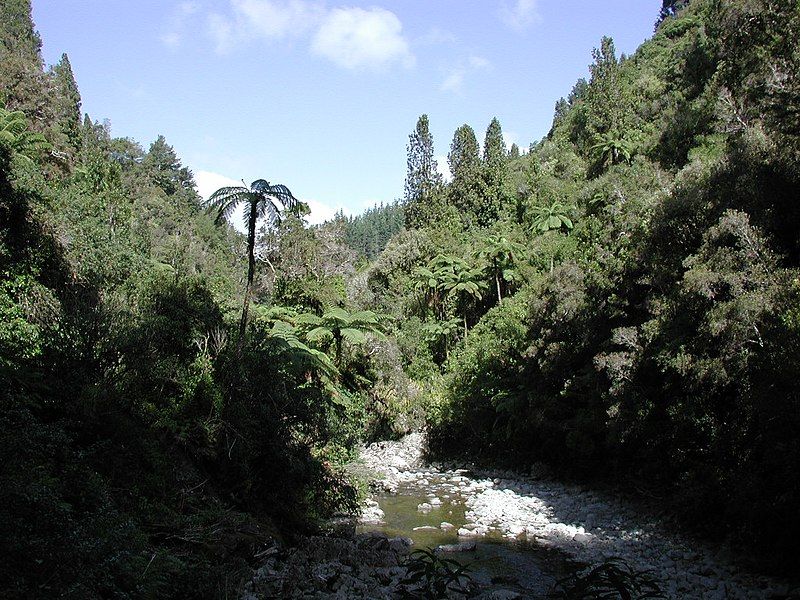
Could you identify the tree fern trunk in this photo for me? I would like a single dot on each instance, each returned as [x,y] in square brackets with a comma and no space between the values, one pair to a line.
[251,269]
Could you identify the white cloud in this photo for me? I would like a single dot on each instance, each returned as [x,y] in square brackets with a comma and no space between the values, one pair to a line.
[478,62]
[437,36]
[444,168]
[454,79]
[520,13]
[178,23]
[453,82]
[208,183]
[321,212]
[277,20]
[221,31]
[262,19]
[351,38]
[356,38]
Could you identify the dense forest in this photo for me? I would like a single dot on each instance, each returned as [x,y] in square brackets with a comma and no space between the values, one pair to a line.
[621,302]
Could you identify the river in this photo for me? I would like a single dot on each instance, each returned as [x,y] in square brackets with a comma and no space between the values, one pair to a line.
[528,531]
[431,508]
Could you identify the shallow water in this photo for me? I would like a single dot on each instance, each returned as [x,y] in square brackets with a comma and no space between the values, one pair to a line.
[507,563]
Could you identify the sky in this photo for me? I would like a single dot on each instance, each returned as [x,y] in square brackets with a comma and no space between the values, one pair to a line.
[322,95]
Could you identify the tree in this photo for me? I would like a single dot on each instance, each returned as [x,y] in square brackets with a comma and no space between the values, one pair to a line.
[164,168]
[609,99]
[262,200]
[423,181]
[610,149]
[67,103]
[448,276]
[465,166]
[513,153]
[500,254]
[23,84]
[16,29]
[494,173]
[465,283]
[337,325]
[551,218]
[670,8]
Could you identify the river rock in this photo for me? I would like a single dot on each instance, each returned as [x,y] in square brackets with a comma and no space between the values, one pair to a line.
[462,547]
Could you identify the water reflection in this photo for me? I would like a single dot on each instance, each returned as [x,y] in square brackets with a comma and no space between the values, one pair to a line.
[508,564]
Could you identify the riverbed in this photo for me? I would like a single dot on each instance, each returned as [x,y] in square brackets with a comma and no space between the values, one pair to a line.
[431,509]
[520,533]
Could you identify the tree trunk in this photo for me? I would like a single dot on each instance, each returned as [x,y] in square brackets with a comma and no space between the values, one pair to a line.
[497,281]
[337,342]
[251,270]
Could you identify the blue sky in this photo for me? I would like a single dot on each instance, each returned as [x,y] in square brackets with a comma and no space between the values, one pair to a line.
[322,95]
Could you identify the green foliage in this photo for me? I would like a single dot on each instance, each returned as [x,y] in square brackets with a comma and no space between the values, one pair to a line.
[141,453]
[610,579]
[431,576]
[501,256]
[14,134]
[551,218]
[495,170]
[660,330]
[368,233]
[67,105]
[338,325]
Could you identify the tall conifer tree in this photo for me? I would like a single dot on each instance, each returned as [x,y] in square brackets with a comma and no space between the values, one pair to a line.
[465,165]
[423,182]
[67,103]
[494,173]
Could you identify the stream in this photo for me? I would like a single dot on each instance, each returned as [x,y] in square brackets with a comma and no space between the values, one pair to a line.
[430,509]
[520,533]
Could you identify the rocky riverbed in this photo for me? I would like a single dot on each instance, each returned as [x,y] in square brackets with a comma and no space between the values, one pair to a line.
[519,533]
[584,525]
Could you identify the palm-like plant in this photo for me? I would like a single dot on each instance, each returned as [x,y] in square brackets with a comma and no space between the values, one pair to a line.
[14,134]
[447,276]
[337,325]
[501,255]
[611,149]
[551,218]
[262,200]
[438,332]
[465,282]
